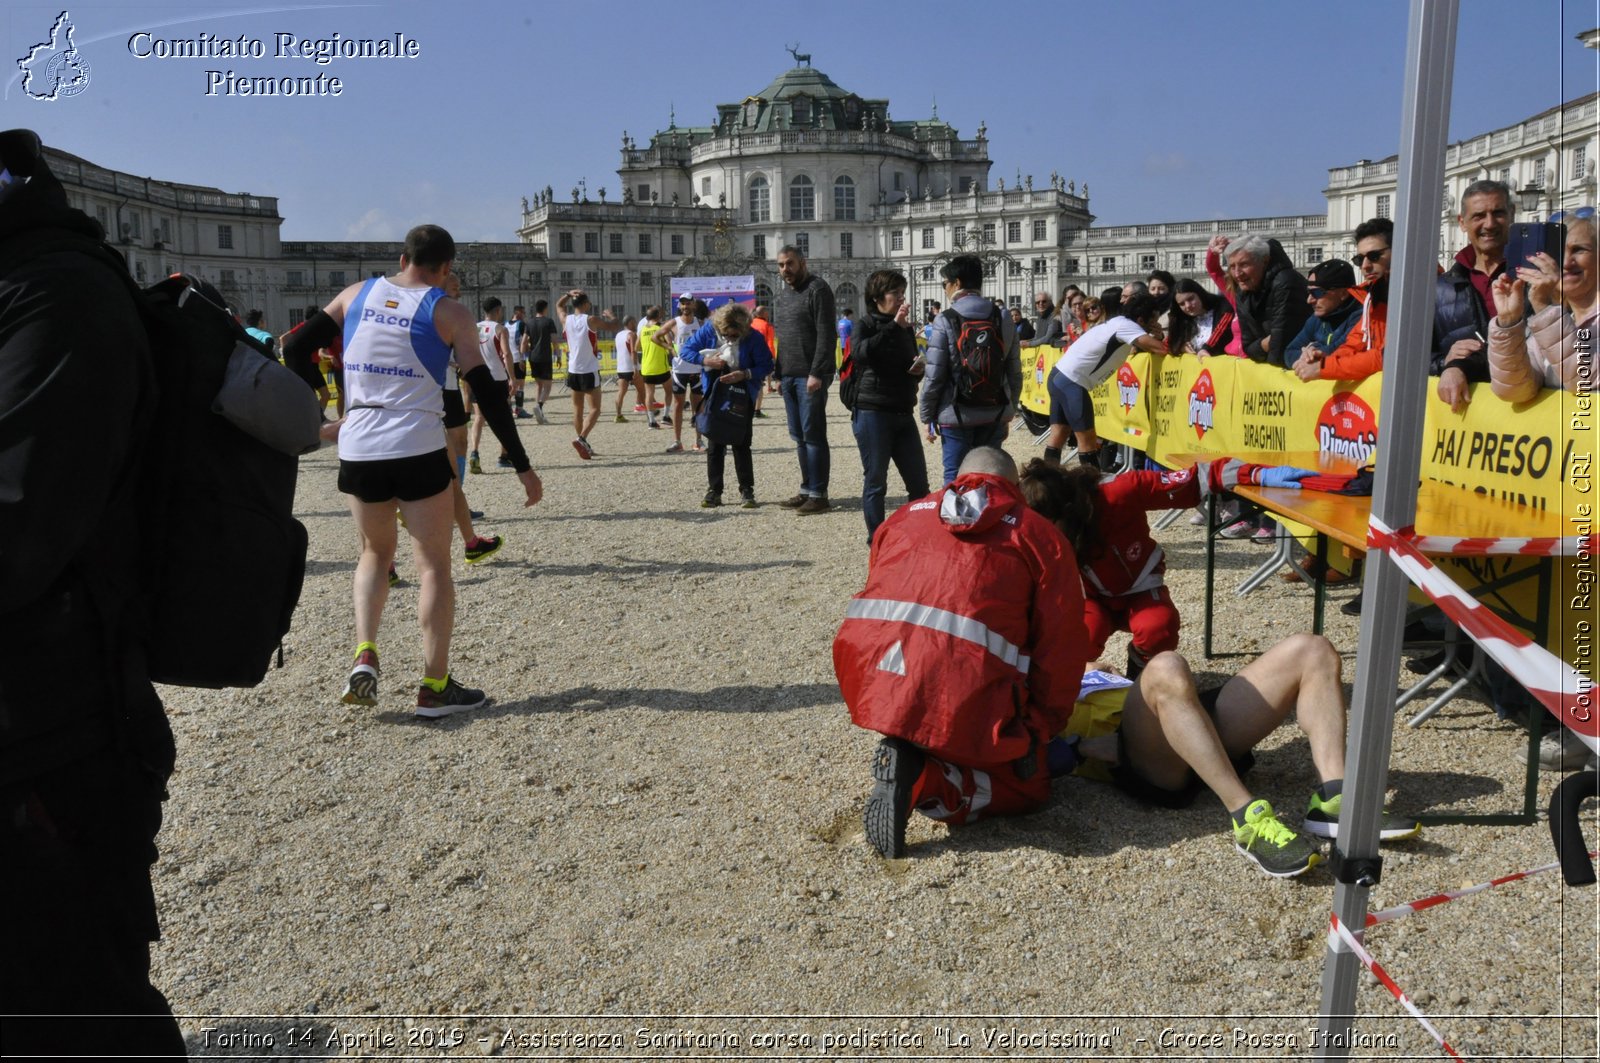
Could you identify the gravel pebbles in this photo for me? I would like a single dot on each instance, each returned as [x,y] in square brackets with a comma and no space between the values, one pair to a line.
[660,815]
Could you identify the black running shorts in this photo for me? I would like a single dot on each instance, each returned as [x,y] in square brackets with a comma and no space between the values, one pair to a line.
[625,378]
[455,413]
[519,370]
[684,383]
[657,378]
[540,368]
[406,479]
[582,382]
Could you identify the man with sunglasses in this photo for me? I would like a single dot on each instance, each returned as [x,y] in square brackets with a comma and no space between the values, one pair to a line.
[1333,313]
[1361,354]
[1047,326]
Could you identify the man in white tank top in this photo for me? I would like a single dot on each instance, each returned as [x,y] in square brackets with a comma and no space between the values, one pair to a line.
[494,343]
[399,335]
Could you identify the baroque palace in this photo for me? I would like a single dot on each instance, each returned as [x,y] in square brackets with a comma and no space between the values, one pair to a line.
[806,162]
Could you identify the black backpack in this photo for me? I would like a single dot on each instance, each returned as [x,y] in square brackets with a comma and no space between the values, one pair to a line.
[978,359]
[224,556]
[849,379]
[229,557]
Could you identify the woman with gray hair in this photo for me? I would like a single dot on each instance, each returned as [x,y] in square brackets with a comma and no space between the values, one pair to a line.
[1555,347]
[729,352]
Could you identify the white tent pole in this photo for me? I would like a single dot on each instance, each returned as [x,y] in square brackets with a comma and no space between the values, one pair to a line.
[1424,125]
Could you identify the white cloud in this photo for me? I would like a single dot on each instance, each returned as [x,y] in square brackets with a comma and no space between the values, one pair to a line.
[375,224]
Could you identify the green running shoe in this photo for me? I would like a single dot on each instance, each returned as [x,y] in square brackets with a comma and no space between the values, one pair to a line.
[1322,820]
[1277,850]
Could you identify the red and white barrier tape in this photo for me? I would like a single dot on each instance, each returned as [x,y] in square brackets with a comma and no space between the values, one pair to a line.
[1563,546]
[1341,933]
[1400,911]
[1558,686]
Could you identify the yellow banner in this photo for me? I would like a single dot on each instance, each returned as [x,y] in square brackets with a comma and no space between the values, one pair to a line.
[1540,454]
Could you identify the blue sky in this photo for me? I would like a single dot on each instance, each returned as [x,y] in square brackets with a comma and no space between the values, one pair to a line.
[1169,111]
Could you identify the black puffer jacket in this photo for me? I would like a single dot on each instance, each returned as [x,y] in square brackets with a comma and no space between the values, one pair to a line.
[1459,314]
[883,352]
[1277,309]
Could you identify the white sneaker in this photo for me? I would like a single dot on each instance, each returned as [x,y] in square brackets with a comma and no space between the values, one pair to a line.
[1562,751]
[538,414]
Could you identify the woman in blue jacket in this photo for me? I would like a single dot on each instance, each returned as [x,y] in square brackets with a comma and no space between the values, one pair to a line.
[727,349]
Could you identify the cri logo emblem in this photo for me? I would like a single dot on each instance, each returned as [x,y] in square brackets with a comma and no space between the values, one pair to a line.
[1202,404]
[1127,387]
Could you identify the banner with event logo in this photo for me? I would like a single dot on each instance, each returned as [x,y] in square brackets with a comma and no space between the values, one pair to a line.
[1540,454]
[715,290]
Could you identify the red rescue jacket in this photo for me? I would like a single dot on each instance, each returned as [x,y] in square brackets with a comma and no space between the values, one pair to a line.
[969,639]
[1129,561]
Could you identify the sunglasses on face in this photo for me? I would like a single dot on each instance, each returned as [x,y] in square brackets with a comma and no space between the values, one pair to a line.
[1371,256]
[1318,293]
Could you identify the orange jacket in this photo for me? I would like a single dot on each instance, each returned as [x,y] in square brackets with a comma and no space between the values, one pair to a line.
[1361,353]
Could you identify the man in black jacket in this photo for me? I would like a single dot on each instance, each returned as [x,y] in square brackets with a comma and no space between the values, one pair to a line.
[86,745]
[1272,296]
[883,414]
[1462,300]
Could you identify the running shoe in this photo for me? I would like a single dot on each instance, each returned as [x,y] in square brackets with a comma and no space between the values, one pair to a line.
[1264,536]
[1277,850]
[758,413]
[483,547]
[1322,820]
[475,514]
[473,465]
[1239,529]
[896,764]
[538,415]
[676,448]
[654,426]
[712,500]
[639,408]
[431,704]
[666,419]
[657,406]
[362,686]
[582,448]
[699,447]
[503,462]
[621,419]
[747,500]
[522,414]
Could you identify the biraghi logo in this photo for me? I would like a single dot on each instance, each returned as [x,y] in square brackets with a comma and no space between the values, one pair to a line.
[1347,428]
[54,69]
[1128,384]
[1203,404]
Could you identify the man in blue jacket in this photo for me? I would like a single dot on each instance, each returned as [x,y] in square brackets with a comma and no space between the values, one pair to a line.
[1334,312]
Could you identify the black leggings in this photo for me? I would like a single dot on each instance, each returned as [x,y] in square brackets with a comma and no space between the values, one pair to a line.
[743,466]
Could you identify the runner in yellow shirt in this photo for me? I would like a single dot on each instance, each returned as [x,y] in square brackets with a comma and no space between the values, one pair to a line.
[655,362]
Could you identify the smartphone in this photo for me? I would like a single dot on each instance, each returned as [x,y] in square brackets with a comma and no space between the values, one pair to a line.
[1529,238]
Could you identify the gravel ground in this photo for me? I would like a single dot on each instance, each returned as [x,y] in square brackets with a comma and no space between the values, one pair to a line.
[659,815]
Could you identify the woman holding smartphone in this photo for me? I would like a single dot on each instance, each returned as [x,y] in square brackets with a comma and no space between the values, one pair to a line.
[883,415]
